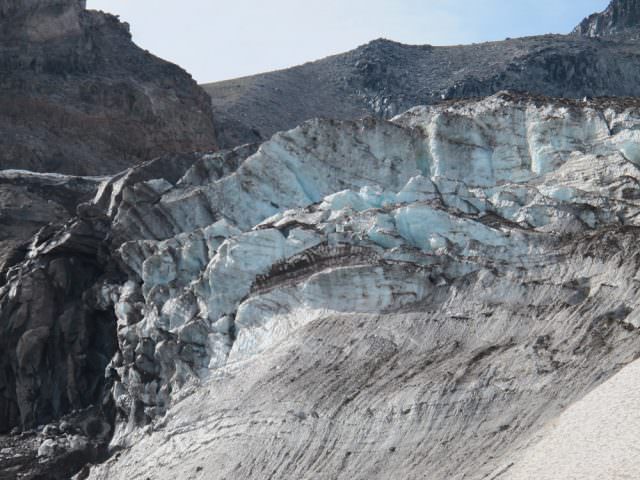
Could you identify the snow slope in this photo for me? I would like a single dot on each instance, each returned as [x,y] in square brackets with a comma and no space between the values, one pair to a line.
[594,438]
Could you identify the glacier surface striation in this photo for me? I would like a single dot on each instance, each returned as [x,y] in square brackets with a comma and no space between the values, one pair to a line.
[409,298]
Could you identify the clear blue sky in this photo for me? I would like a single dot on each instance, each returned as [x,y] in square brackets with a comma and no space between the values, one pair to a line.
[220,39]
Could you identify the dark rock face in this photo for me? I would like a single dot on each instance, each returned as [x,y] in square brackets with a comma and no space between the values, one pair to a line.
[79,97]
[57,340]
[621,16]
[40,20]
[385,78]
[29,202]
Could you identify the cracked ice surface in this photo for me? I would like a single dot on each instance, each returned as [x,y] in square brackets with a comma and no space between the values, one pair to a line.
[360,217]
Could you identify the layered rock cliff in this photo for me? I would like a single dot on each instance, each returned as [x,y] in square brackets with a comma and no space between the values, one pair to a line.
[40,20]
[385,78]
[620,17]
[366,299]
[78,97]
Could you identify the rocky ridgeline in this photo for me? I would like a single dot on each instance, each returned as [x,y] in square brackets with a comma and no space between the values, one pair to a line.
[78,97]
[384,78]
[620,17]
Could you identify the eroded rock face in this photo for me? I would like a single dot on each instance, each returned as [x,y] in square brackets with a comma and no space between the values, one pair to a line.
[40,20]
[57,338]
[620,17]
[80,98]
[31,201]
[58,324]
[59,450]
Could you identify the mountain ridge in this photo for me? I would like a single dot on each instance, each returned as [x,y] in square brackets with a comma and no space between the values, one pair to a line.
[384,78]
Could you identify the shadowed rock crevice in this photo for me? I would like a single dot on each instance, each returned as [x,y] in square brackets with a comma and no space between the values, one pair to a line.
[57,338]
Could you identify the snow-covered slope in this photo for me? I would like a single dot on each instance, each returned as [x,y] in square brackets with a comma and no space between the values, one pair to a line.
[411,298]
[595,438]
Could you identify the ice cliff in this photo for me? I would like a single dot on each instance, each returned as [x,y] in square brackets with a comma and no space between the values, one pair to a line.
[354,299]
[353,217]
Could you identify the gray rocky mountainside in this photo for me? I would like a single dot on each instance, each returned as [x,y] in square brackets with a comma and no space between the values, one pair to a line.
[384,78]
[78,97]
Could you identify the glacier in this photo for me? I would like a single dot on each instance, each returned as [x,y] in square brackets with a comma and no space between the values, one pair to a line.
[438,192]
[414,297]
[433,195]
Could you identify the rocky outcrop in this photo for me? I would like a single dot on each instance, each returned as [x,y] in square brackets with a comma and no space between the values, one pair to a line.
[40,20]
[78,97]
[384,78]
[373,298]
[58,325]
[620,17]
[57,339]
[30,201]
[58,450]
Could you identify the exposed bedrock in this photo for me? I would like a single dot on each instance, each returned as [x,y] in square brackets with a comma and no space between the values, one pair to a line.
[56,336]
[40,20]
[31,201]
[620,17]
[58,324]
[80,98]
